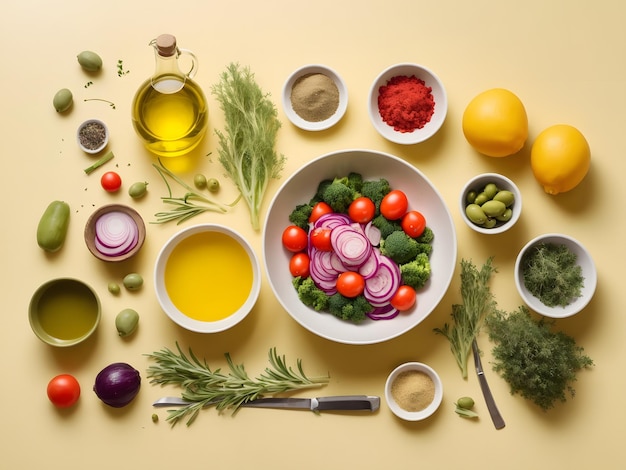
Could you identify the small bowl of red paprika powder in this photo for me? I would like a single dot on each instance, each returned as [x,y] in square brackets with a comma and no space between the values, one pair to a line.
[407,103]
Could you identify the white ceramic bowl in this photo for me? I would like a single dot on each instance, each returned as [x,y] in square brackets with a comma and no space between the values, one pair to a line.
[413,415]
[105,141]
[296,119]
[478,183]
[180,317]
[423,196]
[439,95]
[584,260]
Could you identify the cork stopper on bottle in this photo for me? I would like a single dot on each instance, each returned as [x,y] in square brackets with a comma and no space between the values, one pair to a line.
[166,45]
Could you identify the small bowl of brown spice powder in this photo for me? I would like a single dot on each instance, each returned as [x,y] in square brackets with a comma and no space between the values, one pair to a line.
[315,97]
[413,391]
[92,136]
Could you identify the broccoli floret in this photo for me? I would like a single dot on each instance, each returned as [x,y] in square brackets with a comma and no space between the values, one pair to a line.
[376,190]
[320,192]
[427,236]
[300,216]
[338,195]
[351,309]
[354,181]
[310,295]
[386,226]
[415,273]
[399,247]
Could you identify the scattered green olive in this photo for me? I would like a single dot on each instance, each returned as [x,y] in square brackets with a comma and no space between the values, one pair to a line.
[114,288]
[155,418]
[133,281]
[62,100]
[213,185]
[200,181]
[126,322]
[138,189]
[465,402]
[89,61]
[489,206]
[463,407]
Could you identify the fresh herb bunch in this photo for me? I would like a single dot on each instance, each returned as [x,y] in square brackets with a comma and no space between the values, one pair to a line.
[190,205]
[204,387]
[551,274]
[537,363]
[478,302]
[246,147]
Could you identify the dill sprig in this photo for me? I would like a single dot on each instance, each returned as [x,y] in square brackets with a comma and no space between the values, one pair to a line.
[478,301]
[204,387]
[190,205]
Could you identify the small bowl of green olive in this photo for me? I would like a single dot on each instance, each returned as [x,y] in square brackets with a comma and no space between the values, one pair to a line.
[490,203]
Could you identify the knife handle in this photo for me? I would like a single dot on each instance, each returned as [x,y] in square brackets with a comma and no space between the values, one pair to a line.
[348,402]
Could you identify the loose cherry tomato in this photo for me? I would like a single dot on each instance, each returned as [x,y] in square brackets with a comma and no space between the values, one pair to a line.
[362,210]
[404,298]
[295,238]
[413,223]
[111,181]
[63,390]
[350,284]
[320,239]
[299,265]
[319,209]
[394,205]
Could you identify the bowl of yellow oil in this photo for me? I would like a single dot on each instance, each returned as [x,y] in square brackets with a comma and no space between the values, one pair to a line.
[207,278]
[64,312]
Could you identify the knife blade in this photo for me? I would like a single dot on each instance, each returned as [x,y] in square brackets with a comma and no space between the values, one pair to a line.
[330,403]
[496,417]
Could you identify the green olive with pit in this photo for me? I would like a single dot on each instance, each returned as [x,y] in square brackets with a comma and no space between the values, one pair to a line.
[138,189]
[89,61]
[476,214]
[213,185]
[126,322]
[133,281]
[62,100]
[493,208]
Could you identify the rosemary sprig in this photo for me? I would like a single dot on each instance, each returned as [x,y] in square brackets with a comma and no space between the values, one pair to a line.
[204,387]
[185,207]
[478,301]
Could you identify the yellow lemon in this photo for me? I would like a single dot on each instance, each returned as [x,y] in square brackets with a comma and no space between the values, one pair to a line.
[495,123]
[560,158]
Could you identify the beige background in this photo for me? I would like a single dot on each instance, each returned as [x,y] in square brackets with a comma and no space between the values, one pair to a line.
[564,59]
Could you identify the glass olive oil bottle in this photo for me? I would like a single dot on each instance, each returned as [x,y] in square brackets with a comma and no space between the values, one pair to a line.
[169,110]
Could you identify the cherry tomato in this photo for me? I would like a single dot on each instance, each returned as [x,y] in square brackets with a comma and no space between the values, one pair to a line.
[362,210]
[295,238]
[350,284]
[299,265]
[404,298]
[63,390]
[320,239]
[319,209]
[413,223]
[394,205]
[111,181]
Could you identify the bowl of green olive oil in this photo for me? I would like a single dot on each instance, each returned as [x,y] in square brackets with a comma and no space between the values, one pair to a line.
[64,312]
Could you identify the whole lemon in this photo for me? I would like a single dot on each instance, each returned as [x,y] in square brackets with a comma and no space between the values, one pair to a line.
[560,158]
[495,123]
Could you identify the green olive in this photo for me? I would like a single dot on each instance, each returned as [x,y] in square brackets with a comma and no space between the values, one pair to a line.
[213,185]
[493,208]
[505,196]
[475,213]
[490,223]
[114,288]
[490,190]
[126,322]
[133,281]
[62,100]
[471,197]
[465,403]
[200,181]
[481,198]
[508,214]
[138,189]
[90,61]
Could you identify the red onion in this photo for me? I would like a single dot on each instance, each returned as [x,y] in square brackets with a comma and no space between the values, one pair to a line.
[380,288]
[117,384]
[116,233]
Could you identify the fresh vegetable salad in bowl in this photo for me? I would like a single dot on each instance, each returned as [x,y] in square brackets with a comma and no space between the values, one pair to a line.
[359,246]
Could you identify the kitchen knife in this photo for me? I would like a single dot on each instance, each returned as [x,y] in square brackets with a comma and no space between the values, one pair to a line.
[497,419]
[331,403]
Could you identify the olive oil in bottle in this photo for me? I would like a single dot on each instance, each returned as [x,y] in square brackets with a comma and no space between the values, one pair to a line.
[169,111]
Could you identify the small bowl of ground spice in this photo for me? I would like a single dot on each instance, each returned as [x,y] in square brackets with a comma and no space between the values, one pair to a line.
[413,391]
[92,136]
[555,275]
[407,104]
[315,97]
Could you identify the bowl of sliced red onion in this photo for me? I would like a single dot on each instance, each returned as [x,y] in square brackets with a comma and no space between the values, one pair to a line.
[341,252]
[115,232]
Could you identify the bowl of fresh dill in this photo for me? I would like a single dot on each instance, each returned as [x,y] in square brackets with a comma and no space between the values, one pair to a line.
[555,275]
